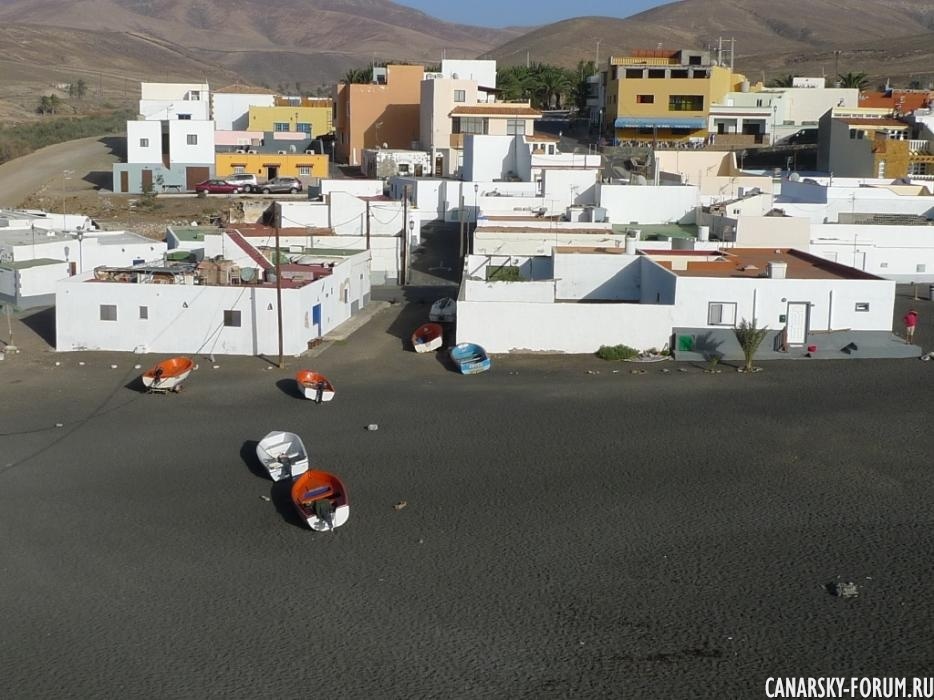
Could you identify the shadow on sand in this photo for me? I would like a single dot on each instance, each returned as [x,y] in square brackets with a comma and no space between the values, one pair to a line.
[281,495]
[248,455]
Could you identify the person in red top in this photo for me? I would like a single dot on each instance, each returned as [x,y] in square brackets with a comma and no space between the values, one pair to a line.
[911,320]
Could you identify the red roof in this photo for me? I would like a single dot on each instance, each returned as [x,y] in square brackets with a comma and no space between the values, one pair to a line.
[902,101]
[245,246]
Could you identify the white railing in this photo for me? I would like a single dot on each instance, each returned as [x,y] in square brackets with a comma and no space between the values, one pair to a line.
[920,146]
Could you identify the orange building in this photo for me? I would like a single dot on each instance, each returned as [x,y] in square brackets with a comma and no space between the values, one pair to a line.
[383,112]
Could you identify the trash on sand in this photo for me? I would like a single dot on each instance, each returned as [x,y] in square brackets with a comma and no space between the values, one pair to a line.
[81,364]
[591,371]
[843,590]
[58,364]
[137,366]
[372,426]
[683,369]
[113,366]
[59,425]
[196,366]
[265,498]
[269,367]
[666,371]
[217,366]
[400,505]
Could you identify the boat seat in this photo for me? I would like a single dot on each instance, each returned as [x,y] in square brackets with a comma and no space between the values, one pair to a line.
[316,493]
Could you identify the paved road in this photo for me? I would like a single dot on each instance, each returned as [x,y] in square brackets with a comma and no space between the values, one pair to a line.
[566,534]
[89,161]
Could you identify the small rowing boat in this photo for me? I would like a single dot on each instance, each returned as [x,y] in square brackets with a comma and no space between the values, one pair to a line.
[168,375]
[282,454]
[470,358]
[314,386]
[428,337]
[321,500]
[443,311]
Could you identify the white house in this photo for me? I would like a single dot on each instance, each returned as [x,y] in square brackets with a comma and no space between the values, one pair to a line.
[230,106]
[165,155]
[606,296]
[211,308]
[168,101]
[33,260]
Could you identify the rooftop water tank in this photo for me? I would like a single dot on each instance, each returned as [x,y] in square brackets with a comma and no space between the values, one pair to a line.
[776,269]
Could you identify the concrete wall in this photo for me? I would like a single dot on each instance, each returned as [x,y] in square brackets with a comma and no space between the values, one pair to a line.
[565,187]
[648,204]
[489,158]
[237,138]
[265,117]
[502,241]
[772,232]
[483,72]
[232,110]
[198,329]
[174,177]
[360,188]
[437,103]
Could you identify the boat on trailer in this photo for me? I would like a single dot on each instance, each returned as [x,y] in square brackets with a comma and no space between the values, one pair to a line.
[314,386]
[321,500]
[168,375]
[428,337]
[470,358]
[282,454]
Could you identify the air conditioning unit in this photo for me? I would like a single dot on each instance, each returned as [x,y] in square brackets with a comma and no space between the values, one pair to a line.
[252,151]
[240,150]
[281,153]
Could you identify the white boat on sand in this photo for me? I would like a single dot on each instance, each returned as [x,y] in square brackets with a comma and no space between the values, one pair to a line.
[283,455]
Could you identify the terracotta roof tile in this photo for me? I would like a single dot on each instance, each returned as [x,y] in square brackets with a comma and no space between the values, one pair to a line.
[501,109]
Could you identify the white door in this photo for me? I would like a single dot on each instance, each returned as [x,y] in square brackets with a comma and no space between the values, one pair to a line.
[797,322]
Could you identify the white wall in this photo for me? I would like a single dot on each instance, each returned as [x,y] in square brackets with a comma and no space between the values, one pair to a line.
[847,196]
[488,158]
[232,111]
[180,151]
[597,277]
[137,130]
[169,100]
[648,204]
[360,188]
[312,214]
[501,241]
[199,329]
[481,71]
[572,186]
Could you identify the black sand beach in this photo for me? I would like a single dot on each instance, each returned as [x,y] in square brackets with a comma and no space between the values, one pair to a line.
[566,535]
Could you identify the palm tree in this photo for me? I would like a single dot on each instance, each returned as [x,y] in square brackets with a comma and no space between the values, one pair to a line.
[750,337]
[358,75]
[782,81]
[860,81]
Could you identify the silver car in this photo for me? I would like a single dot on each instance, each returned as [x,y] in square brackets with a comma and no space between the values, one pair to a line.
[245,181]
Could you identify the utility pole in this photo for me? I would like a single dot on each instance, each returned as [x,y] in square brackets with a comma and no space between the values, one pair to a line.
[368,224]
[405,234]
[596,63]
[278,297]
[461,214]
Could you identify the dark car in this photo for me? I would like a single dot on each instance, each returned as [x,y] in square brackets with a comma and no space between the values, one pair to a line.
[217,187]
[279,185]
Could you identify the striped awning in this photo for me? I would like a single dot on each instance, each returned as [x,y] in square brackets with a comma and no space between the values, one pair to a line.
[661,123]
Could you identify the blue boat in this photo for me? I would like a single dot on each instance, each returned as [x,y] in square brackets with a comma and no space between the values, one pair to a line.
[470,358]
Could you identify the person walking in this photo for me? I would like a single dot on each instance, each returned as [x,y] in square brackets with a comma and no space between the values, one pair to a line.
[911,320]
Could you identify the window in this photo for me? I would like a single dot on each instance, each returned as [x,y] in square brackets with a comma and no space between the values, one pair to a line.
[857,134]
[694,60]
[303,127]
[470,125]
[721,313]
[460,95]
[403,168]
[700,74]
[634,72]
[657,73]
[144,143]
[192,139]
[108,312]
[195,95]
[232,319]
[862,306]
[883,264]
[304,170]
[920,268]
[144,313]
[239,169]
[881,171]
[280,126]
[645,99]
[686,103]
[184,117]
[515,126]
[681,73]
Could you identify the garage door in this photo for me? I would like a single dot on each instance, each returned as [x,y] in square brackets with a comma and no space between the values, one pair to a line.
[195,175]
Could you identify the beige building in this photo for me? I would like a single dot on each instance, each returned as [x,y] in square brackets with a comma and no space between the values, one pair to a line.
[440,96]
[384,111]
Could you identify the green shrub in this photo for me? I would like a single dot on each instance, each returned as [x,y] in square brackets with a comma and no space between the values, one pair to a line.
[616,352]
[506,273]
[23,139]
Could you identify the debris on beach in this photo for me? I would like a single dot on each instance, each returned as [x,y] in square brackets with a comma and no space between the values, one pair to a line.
[59,425]
[265,498]
[591,371]
[58,364]
[665,371]
[400,505]
[137,366]
[683,370]
[843,590]
[373,426]
[113,366]
[217,366]
[80,364]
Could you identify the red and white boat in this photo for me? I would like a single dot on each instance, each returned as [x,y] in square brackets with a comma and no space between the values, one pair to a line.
[321,500]
[428,337]
[168,375]
[314,386]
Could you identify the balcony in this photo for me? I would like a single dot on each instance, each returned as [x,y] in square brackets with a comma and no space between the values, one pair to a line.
[920,147]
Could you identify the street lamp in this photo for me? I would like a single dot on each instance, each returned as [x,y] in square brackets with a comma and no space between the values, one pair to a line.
[80,236]
[65,176]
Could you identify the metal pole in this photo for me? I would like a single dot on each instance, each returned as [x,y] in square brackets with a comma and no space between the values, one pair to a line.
[278,297]
[461,214]
[368,224]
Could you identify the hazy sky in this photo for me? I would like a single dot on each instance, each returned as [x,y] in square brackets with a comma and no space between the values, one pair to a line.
[503,13]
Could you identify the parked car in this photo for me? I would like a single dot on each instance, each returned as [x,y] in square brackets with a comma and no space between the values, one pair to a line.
[245,181]
[217,187]
[278,185]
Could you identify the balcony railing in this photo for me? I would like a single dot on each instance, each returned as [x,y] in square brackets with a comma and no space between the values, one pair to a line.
[921,146]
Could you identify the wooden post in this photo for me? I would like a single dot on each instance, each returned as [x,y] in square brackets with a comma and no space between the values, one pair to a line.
[278,297]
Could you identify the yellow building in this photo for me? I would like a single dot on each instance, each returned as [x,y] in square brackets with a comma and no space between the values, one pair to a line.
[269,165]
[661,95]
[314,118]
